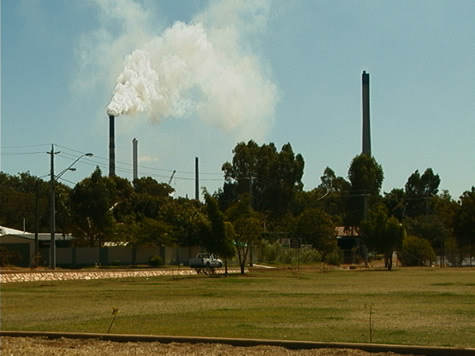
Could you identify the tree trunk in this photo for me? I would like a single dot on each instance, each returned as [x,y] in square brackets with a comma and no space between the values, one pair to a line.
[225,266]
[389,261]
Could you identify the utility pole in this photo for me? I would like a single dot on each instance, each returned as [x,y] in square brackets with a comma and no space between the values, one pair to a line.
[52,249]
[37,220]
[250,204]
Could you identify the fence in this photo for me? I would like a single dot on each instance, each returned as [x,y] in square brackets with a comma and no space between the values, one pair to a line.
[90,256]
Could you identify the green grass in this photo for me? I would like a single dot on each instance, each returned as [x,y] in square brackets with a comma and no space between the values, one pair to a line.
[410,306]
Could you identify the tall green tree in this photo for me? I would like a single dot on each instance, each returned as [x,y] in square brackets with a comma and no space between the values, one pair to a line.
[218,237]
[420,189]
[464,224]
[247,227]
[333,194]
[382,233]
[269,177]
[92,204]
[150,197]
[315,227]
[185,217]
[366,177]
[395,202]
[18,197]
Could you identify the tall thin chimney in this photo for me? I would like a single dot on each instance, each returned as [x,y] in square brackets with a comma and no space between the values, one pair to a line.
[111,146]
[135,158]
[197,180]
[366,122]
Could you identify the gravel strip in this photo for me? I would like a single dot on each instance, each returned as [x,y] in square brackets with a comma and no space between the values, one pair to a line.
[20,346]
[11,277]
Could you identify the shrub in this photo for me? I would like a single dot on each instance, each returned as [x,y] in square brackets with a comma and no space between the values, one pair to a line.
[156,261]
[270,251]
[275,253]
[416,251]
[334,258]
[310,255]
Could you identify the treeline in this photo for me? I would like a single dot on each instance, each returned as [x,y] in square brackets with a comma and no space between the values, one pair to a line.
[261,201]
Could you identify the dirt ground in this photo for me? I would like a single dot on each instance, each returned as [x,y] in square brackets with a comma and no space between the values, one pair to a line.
[21,346]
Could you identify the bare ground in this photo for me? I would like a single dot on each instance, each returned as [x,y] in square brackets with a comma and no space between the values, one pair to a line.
[22,346]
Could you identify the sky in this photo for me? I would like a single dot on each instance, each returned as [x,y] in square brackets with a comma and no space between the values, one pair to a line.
[190,78]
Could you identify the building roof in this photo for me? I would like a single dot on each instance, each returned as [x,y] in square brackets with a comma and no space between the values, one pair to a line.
[42,236]
[347,231]
[8,231]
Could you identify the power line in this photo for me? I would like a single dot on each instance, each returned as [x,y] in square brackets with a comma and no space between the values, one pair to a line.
[70,154]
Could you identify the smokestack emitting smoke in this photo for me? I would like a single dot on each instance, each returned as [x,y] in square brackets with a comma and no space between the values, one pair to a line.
[111,146]
[189,71]
[366,122]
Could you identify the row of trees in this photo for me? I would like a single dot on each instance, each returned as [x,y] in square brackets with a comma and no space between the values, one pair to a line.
[262,198]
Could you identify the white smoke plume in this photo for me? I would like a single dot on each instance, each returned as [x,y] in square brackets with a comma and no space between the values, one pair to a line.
[136,86]
[193,70]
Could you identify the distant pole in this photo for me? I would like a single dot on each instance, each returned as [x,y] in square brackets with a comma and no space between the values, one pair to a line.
[135,159]
[37,221]
[366,120]
[197,180]
[251,257]
[52,249]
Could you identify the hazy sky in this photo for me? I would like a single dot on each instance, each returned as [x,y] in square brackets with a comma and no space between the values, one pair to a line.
[201,76]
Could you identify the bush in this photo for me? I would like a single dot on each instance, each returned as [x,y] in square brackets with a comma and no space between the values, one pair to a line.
[416,251]
[334,258]
[270,251]
[310,255]
[156,261]
[275,253]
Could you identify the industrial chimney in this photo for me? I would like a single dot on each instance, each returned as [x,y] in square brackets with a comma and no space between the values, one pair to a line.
[111,146]
[135,159]
[366,125]
[197,180]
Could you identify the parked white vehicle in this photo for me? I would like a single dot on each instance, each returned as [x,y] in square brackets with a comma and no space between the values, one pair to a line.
[205,263]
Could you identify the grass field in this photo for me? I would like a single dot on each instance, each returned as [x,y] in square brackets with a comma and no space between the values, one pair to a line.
[417,306]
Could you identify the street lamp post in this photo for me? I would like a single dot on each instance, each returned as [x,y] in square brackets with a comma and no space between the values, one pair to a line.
[53,178]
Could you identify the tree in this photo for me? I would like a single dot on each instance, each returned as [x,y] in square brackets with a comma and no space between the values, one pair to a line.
[92,204]
[150,197]
[218,235]
[395,202]
[155,233]
[429,227]
[18,196]
[416,251]
[366,177]
[382,233]
[333,195]
[149,186]
[419,191]
[185,216]
[270,178]
[315,227]
[464,224]
[247,228]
